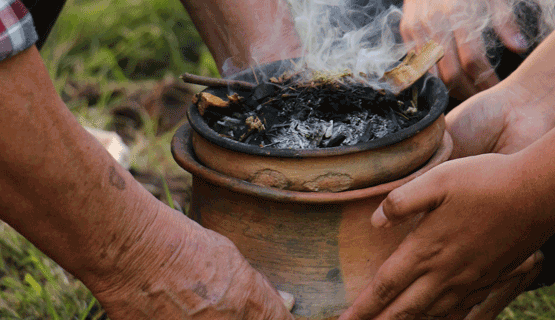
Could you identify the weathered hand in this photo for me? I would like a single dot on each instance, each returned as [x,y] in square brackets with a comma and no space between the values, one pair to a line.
[465,68]
[180,270]
[480,224]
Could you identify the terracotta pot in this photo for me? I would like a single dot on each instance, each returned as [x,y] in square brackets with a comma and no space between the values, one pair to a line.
[327,169]
[320,247]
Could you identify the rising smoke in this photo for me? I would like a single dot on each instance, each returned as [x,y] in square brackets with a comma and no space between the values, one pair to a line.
[363,36]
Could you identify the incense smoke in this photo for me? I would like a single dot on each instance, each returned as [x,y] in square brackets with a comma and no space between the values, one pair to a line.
[363,36]
[339,36]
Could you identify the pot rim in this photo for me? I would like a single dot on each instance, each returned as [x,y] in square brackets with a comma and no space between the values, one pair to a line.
[182,151]
[440,94]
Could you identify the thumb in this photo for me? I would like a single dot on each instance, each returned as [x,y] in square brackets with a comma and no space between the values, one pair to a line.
[423,194]
[288,300]
[508,30]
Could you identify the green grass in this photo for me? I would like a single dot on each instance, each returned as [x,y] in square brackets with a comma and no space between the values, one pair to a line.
[107,42]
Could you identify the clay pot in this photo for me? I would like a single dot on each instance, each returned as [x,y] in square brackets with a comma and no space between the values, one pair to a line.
[327,169]
[320,247]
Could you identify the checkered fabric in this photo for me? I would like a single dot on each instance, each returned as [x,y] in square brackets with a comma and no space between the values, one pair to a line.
[17,31]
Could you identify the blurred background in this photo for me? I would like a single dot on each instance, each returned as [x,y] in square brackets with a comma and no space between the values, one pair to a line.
[116,65]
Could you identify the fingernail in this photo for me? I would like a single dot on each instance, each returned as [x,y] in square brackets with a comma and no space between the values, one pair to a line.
[379,219]
[520,41]
[539,256]
[288,299]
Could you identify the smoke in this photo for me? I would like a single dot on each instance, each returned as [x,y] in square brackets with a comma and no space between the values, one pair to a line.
[363,36]
[340,36]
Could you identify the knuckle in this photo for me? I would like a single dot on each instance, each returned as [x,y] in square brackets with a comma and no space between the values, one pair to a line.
[394,204]
[385,291]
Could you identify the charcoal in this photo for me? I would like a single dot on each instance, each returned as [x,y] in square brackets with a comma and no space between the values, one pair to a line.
[300,115]
[263,91]
[335,141]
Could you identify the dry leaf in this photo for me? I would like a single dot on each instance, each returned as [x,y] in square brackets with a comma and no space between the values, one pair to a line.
[205,100]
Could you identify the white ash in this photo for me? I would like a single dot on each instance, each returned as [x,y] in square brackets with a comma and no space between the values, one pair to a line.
[227,121]
[309,134]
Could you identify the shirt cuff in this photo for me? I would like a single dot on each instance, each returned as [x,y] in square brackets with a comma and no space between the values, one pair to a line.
[17,30]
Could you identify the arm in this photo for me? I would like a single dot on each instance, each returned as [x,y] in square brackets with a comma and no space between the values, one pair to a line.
[65,193]
[513,114]
[245,32]
[484,214]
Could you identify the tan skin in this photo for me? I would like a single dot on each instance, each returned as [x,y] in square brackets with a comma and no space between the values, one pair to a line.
[64,192]
[68,196]
[484,214]
[255,32]
[465,68]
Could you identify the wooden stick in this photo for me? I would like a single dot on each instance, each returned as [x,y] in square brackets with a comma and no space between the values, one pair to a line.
[413,67]
[215,82]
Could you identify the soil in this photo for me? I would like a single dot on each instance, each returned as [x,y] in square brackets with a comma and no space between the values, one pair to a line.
[285,113]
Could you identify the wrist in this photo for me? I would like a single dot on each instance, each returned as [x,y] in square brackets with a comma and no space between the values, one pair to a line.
[249,32]
[146,235]
[533,168]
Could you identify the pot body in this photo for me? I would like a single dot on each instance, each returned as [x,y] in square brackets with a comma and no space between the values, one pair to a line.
[323,254]
[320,247]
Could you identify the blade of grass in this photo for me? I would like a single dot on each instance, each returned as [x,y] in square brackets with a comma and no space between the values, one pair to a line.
[167,192]
[89,308]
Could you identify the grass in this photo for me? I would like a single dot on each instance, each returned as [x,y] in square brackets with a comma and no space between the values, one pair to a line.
[127,43]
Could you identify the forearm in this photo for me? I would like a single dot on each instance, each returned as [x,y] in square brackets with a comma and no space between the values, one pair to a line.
[535,169]
[245,31]
[537,72]
[59,187]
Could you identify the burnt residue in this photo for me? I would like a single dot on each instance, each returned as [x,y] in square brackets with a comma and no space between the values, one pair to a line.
[323,113]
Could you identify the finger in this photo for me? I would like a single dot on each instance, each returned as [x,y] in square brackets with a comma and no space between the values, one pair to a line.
[526,266]
[288,300]
[457,301]
[507,29]
[474,61]
[415,300]
[423,194]
[408,23]
[416,29]
[391,279]
[501,295]
[275,305]
[451,72]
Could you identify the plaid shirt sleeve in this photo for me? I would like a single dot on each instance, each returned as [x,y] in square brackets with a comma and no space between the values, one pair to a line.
[17,31]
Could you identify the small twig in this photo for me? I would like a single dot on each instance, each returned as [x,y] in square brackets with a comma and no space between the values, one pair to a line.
[215,82]
[413,67]
[254,74]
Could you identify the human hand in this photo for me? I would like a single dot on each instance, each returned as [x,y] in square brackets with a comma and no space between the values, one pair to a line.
[504,119]
[180,270]
[480,224]
[458,26]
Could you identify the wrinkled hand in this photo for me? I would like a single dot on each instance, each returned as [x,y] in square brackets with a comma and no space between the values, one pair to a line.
[180,270]
[465,68]
[480,224]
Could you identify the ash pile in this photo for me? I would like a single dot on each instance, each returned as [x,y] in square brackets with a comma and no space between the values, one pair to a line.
[288,113]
